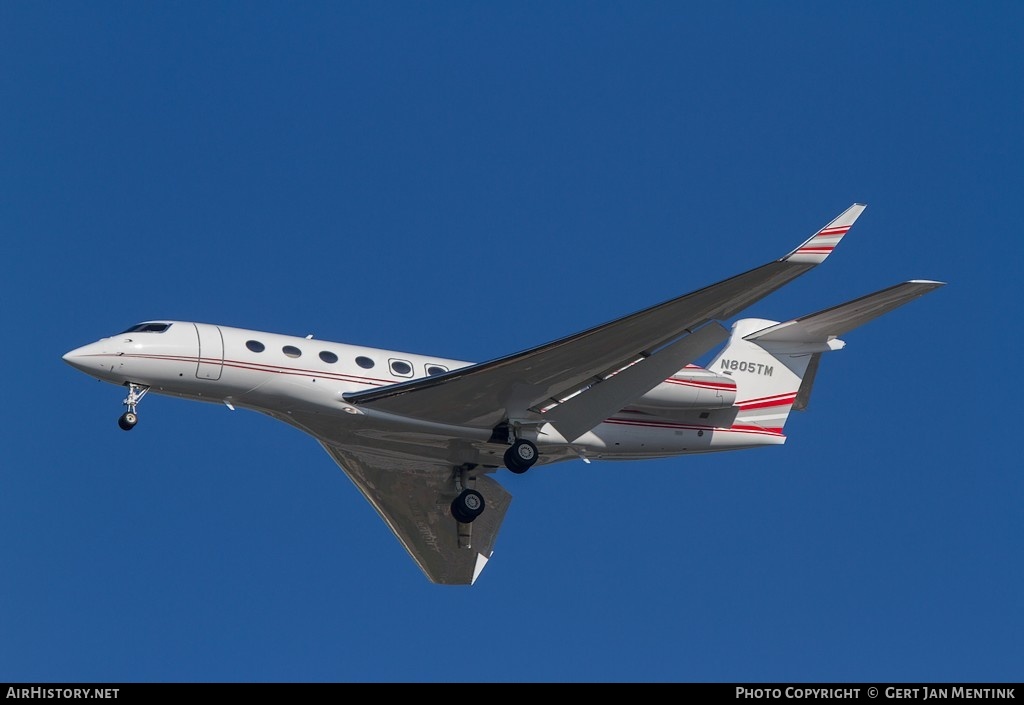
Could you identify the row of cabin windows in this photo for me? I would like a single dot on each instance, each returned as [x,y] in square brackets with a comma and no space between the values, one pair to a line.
[400,368]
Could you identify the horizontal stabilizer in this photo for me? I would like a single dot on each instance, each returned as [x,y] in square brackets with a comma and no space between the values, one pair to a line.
[824,325]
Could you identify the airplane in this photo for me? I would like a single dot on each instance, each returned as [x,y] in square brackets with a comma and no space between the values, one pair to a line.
[421,437]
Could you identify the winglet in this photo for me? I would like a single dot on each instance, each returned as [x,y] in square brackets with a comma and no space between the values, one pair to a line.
[820,245]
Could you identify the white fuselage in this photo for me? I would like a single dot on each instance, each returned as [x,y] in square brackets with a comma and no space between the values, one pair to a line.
[284,375]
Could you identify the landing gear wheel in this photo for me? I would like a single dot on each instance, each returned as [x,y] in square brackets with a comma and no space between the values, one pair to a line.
[135,393]
[467,506]
[520,456]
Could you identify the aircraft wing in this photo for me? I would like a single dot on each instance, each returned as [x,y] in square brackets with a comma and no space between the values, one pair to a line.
[524,385]
[414,500]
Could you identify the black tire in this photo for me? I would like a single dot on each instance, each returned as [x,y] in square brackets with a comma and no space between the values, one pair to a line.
[468,506]
[127,421]
[520,456]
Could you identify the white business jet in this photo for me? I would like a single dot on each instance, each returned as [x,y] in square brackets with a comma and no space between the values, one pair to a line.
[421,436]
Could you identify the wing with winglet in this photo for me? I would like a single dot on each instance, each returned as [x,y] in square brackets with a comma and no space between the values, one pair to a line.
[519,386]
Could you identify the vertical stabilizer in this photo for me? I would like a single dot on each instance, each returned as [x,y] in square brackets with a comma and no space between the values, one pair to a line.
[767,383]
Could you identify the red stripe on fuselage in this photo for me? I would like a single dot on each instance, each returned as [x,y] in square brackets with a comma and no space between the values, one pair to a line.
[705,385]
[787,401]
[265,368]
[694,427]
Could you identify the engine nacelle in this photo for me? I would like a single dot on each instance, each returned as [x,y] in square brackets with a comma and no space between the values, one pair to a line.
[690,388]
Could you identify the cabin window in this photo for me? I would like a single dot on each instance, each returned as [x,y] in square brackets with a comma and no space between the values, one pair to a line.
[364,362]
[148,328]
[400,368]
[291,351]
[255,345]
[328,357]
[433,369]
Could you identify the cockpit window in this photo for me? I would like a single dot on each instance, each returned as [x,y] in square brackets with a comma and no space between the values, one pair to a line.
[148,328]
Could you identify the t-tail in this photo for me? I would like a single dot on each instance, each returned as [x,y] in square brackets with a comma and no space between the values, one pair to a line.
[774,364]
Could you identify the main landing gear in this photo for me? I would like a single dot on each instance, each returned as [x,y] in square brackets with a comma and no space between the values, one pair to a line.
[135,393]
[469,504]
[520,456]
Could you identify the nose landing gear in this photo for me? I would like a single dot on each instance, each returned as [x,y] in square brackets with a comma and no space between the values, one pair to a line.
[135,393]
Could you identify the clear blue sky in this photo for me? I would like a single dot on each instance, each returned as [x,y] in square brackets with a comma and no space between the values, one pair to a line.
[469,180]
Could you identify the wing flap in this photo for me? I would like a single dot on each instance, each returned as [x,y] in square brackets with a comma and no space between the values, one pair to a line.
[577,415]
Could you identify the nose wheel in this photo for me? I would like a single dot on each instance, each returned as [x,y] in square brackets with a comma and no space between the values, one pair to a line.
[130,417]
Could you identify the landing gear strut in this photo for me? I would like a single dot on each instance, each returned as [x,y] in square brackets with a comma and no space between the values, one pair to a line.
[135,393]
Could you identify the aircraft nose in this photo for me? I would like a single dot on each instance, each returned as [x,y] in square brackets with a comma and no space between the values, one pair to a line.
[76,357]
